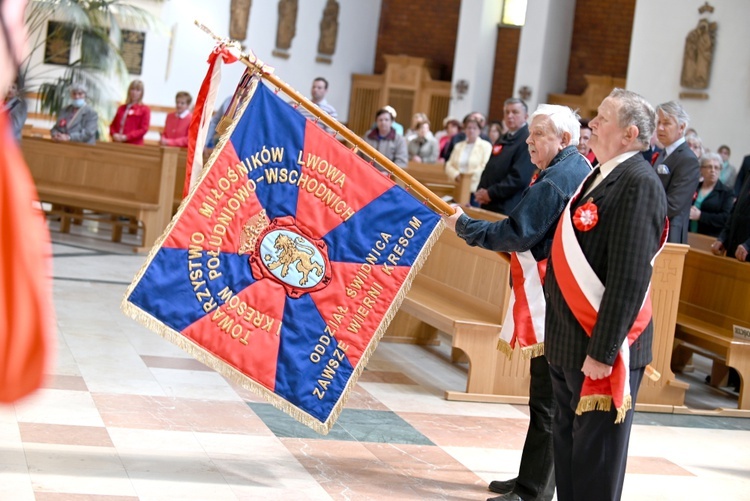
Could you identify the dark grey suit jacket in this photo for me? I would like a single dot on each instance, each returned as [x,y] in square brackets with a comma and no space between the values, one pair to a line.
[632,209]
[680,183]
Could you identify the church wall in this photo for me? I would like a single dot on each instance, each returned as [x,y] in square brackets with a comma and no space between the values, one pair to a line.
[506,57]
[419,28]
[656,55]
[355,48]
[601,41]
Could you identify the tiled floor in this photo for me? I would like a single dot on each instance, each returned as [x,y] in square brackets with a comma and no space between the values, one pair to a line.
[126,415]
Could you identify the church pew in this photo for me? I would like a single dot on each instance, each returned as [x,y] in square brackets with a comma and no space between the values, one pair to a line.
[463,291]
[433,177]
[714,299]
[118,179]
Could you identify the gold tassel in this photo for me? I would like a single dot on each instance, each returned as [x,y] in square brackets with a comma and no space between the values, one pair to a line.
[532,351]
[627,404]
[594,403]
[604,403]
[505,347]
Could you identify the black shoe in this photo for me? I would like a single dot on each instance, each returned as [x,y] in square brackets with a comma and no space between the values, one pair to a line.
[502,486]
[510,496]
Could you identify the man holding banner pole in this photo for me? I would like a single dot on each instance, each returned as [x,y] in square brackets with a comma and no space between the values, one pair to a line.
[598,322]
[527,234]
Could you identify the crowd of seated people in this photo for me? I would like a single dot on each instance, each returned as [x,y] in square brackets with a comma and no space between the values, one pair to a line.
[703,188]
[78,120]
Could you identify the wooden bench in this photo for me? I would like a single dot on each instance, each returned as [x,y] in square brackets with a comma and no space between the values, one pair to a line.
[714,298]
[463,291]
[668,393]
[433,177]
[118,179]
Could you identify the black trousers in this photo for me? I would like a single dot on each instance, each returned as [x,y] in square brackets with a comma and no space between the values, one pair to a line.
[536,475]
[591,451]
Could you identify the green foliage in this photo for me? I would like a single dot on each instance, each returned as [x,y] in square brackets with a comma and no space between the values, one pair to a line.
[94,29]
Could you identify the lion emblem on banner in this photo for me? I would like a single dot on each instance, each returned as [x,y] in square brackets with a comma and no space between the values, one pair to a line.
[286,253]
[294,251]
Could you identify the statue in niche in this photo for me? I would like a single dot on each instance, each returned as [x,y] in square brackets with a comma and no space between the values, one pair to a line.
[286,27]
[329,30]
[699,54]
[239,17]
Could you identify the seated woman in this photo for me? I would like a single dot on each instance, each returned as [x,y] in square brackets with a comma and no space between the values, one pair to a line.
[713,201]
[413,129]
[728,171]
[15,107]
[177,123]
[78,122]
[423,147]
[383,137]
[583,143]
[133,118]
[496,131]
[469,156]
[451,127]
[695,144]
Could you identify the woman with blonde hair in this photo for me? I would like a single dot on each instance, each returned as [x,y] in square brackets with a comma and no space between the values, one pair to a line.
[470,155]
[133,118]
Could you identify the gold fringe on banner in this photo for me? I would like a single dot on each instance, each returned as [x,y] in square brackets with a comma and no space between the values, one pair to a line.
[380,331]
[225,369]
[221,366]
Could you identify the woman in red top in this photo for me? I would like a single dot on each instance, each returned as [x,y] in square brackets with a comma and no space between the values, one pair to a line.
[132,118]
[177,124]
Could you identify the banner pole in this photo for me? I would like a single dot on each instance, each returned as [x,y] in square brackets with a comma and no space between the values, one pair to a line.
[437,203]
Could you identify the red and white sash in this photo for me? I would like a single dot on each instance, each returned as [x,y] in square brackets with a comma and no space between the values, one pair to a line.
[524,321]
[583,293]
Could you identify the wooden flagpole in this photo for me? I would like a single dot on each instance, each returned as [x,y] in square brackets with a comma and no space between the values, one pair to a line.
[438,204]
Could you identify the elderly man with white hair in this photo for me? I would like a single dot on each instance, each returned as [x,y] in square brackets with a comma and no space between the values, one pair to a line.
[527,235]
[78,121]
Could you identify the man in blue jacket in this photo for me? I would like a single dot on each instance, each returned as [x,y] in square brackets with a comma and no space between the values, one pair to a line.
[527,234]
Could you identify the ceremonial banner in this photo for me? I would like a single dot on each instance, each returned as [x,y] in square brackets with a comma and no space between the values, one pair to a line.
[287,261]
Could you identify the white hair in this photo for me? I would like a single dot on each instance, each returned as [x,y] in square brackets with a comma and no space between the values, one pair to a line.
[563,118]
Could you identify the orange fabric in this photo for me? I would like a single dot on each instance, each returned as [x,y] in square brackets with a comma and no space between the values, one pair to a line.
[26,310]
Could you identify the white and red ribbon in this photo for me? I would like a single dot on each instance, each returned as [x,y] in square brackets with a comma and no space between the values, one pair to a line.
[583,292]
[524,321]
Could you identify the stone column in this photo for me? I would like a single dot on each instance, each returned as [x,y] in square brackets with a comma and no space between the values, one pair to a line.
[474,57]
[544,49]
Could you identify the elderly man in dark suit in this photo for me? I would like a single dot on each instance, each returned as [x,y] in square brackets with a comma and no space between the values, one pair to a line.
[598,324]
[509,170]
[677,166]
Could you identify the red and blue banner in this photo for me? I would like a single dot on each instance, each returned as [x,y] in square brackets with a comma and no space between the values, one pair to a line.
[285,264]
